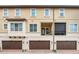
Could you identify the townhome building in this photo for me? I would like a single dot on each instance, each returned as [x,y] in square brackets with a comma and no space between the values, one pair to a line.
[39,27]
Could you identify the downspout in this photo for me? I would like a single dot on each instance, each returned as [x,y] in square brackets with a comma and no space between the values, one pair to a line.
[53,31]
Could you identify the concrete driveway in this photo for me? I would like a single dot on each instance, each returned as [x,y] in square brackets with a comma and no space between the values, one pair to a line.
[26,52]
[41,52]
[67,51]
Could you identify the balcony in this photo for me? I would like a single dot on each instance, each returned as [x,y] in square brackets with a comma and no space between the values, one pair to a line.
[46,28]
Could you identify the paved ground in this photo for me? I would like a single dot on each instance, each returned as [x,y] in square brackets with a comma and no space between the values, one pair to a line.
[27,52]
[41,52]
[67,52]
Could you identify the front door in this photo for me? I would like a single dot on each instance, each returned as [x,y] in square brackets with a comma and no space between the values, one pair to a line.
[44,31]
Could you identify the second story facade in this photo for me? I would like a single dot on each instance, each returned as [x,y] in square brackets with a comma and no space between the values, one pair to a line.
[38,19]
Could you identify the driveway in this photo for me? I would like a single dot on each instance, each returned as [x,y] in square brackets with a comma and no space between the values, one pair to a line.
[67,51]
[40,52]
[26,52]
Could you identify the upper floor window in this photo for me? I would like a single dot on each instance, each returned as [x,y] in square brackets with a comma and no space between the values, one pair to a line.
[33,12]
[5,12]
[16,27]
[5,26]
[61,12]
[33,27]
[17,12]
[73,27]
[46,12]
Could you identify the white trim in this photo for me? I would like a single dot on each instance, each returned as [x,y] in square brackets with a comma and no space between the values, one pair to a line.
[69,27]
[48,11]
[62,12]
[31,12]
[3,12]
[16,31]
[19,12]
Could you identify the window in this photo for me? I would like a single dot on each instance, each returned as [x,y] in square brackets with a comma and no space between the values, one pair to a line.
[60,28]
[61,11]
[16,27]
[46,12]
[33,12]
[17,12]
[33,27]
[5,12]
[73,27]
[5,26]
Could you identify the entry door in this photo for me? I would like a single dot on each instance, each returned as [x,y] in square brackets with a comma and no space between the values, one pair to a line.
[45,31]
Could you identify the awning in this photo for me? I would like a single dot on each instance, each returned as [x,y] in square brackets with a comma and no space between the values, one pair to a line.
[16,19]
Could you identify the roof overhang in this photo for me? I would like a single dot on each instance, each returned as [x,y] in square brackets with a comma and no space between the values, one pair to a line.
[16,19]
[39,6]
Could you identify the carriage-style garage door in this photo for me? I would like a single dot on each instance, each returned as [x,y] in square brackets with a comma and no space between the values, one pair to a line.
[11,44]
[39,44]
[66,45]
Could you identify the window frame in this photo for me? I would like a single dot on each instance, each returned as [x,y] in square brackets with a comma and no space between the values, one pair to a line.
[18,11]
[6,27]
[61,12]
[73,27]
[14,28]
[33,28]
[31,12]
[4,12]
[45,11]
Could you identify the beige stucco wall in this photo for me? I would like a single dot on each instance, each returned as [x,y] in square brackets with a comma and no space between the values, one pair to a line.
[25,13]
[71,16]
[70,13]
[2,22]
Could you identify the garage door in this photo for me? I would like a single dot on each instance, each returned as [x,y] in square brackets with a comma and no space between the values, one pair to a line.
[11,44]
[39,45]
[66,45]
